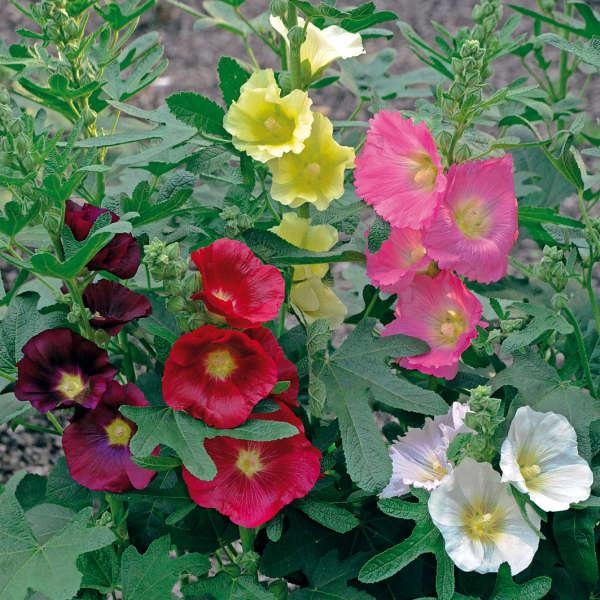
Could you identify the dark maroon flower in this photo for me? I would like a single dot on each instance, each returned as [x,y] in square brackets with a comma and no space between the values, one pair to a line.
[121,256]
[113,305]
[60,368]
[96,444]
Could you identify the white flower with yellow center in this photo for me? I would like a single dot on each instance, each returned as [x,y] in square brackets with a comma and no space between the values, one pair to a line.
[480,521]
[323,46]
[539,457]
[419,458]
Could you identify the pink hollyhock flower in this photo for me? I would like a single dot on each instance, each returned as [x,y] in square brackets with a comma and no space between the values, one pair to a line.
[476,225]
[113,305]
[237,285]
[441,311]
[218,375]
[121,256]
[401,257]
[96,444]
[286,369]
[60,369]
[399,171]
[255,480]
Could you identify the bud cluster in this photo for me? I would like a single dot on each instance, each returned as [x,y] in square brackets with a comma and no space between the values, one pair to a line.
[15,143]
[57,25]
[487,15]
[235,220]
[552,268]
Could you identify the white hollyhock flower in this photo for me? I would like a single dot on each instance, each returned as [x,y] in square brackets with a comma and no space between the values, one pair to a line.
[480,521]
[323,46]
[539,457]
[419,457]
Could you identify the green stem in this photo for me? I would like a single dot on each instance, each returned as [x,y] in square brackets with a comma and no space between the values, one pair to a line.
[128,366]
[255,31]
[187,9]
[294,62]
[32,427]
[247,537]
[76,297]
[55,423]
[592,297]
[371,305]
[585,363]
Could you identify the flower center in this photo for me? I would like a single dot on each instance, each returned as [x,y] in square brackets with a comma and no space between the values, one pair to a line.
[472,219]
[71,386]
[424,172]
[118,432]
[278,127]
[220,364]
[530,471]
[222,295]
[439,470]
[451,326]
[313,169]
[248,462]
[481,523]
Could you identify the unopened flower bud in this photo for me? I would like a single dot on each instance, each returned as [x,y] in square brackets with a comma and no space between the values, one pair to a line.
[296,36]
[279,8]
[88,116]
[175,304]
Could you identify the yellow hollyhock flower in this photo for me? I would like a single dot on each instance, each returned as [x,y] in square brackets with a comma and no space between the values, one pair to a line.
[315,300]
[265,125]
[323,46]
[316,174]
[316,238]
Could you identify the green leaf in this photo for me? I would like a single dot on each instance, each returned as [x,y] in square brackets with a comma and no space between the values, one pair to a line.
[588,52]
[575,538]
[506,589]
[198,111]
[63,490]
[48,566]
[120,14]
[425,538]
[16,217]
[231,78]
[185,435]
[225,587]
[10,407]
[329,515]
[101,570]
[378,233]
[357,374]
[151,576]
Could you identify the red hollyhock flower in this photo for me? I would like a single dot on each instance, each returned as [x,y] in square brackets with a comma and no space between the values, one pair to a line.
[113,305]
[121,256]
[286,369]
[217,375]
[96,444]
[237,285]
[60,368]
[255,480]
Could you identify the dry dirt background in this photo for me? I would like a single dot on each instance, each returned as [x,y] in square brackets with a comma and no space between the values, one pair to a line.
[193,56]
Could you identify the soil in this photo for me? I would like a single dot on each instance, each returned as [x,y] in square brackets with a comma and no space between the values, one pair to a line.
[193,56]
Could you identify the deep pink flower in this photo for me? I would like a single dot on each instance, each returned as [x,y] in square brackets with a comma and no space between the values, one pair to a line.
[442,312]
[476,225]
[401,257]
[237,285]
[96,444]
[255,480]
[113,305]
[399,171]
[60,369]
[286,369]
[217,375]
[121,256]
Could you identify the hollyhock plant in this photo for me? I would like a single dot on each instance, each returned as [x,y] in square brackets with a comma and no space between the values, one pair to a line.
[442,312]
[121,256]
[480,521]
[255,480]
[218,375]
[113,305]
[237,285]
[402,256]
[265,125]
[314,175]
[419,458]
[61,369]
[96,444]
[286,369]
[476,225]
[539,457]
[323,46]
[399,171]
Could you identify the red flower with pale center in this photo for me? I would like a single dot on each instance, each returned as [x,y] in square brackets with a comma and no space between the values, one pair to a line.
[113,305]
[121,256]
[237,285]
[255,480]
[286,369]
[96,444]
[217,375]
[60,369]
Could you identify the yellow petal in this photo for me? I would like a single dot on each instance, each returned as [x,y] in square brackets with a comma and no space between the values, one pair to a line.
[315,300]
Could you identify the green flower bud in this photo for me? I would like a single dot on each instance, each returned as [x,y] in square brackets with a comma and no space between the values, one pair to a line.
[101,337]
[296,36]
[560,301]
[71,29]
[511,325]
[21,144]
[176,304]
[279,8]
[16,127]
[88,116]
[249,562]
[27,163]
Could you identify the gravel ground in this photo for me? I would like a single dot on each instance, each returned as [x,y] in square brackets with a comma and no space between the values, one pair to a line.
[193,56]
